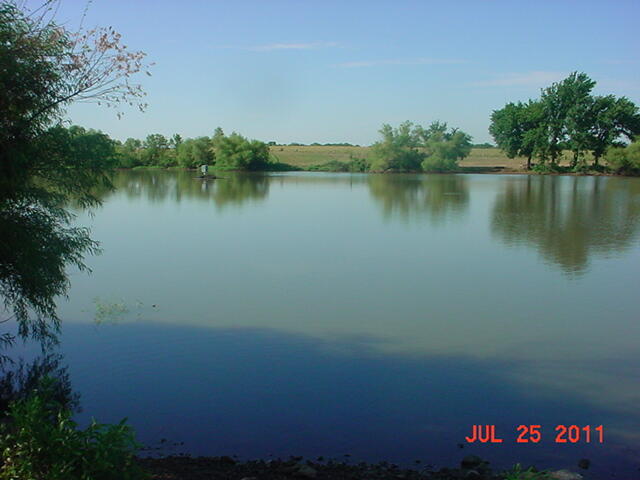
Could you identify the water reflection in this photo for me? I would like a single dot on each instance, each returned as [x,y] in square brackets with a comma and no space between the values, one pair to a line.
[568,219]
[312,319]
[436,197]
[160,186]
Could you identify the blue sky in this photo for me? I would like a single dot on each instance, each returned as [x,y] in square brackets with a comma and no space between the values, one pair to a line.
[335,71]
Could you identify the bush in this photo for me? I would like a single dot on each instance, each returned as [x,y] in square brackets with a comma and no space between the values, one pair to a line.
[625,160]
[235,152]
[41,441]
[439,163]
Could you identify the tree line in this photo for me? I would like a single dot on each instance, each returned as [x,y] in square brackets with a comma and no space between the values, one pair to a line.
[233,152]
[568,118]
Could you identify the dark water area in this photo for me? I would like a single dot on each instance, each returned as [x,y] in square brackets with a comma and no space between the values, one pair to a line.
[379,316]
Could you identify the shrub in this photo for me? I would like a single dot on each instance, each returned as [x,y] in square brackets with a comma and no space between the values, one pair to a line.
[41,441]
[625,160]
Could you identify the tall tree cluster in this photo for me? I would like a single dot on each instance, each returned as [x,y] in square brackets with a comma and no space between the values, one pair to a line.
[567,117]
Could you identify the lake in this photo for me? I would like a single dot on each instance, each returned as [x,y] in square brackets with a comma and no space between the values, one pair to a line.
[379,316]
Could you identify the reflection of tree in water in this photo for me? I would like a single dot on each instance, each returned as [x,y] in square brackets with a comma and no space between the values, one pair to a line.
[437,197]
[157,186]
[568,218]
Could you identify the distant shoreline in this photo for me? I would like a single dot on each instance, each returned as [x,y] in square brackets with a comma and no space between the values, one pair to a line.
[343,159]
[484,170]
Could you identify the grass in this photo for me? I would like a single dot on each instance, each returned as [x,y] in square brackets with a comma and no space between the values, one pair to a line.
[480,158]
[306,156]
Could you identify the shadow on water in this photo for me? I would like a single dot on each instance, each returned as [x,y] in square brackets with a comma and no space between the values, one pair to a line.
[437,197]
[568,219]
[261,392]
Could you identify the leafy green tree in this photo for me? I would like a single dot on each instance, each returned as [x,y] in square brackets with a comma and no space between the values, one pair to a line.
[194,152]
[625,159]
[157,151]
[614,119]
[412,148]
[235,152]
[518,129]
[129,153]
[443,150]
[565,105]
[567,117]
[399,148]
[43,166]
[176,140]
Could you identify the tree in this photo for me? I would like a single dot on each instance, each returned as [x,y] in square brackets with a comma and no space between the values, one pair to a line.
[443,149]
[176,140]
[614,119]
[625,159]
[412,148]
[565,107]
[517,129]
[43,68]
[129,153]
[194,152]
[235,152]
[567,117]
[156,150]
[398,149]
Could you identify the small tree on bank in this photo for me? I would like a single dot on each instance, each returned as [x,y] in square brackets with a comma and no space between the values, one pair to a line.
[235,152]
[411,148]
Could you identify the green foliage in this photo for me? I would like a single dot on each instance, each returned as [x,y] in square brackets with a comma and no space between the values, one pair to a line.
[567,117]
[625,160]
[398,150]
[355,165]
[44,166]
[157,151]
[36,247]
[41,441]
[193,152]
[565,107]
[531,473]
[129,153]
[410,148]
[444,150]
[518,129]
[613,119]
[235,152]
[20,381]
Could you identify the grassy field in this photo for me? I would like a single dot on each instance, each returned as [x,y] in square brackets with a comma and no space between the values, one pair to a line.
[305,156]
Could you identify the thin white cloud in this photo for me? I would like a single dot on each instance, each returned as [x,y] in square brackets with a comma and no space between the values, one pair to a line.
[400,61]
[528,79]
[291,46]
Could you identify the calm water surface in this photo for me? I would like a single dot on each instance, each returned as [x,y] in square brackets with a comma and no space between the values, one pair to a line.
[377,316]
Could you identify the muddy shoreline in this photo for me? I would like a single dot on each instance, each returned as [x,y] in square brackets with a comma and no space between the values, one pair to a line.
[296,468]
